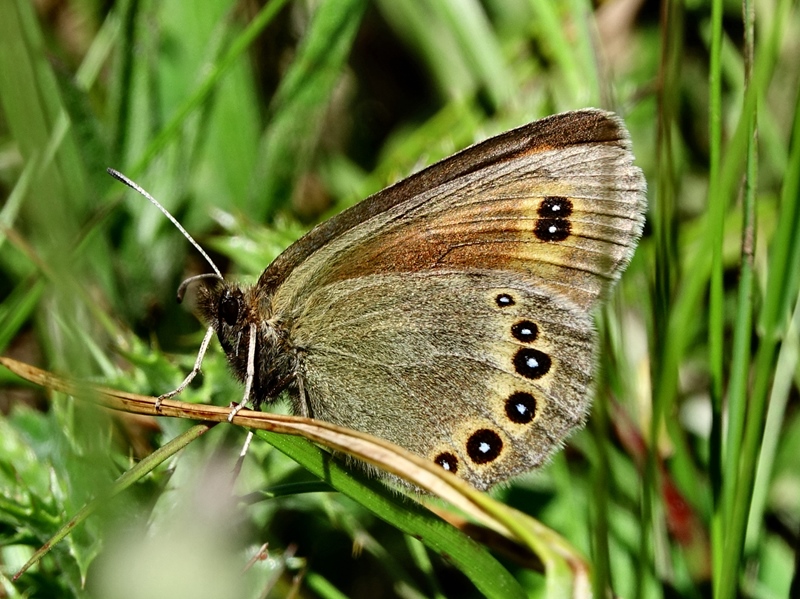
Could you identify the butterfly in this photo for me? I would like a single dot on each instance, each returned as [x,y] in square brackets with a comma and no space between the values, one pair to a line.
[450,313]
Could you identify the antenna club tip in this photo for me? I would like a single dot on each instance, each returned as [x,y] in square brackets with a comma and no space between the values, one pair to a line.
[120,177]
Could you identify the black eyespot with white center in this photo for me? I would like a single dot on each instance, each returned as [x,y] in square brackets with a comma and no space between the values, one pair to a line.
[555,207]
[531,363]
[525,331]
[552,229]
[484,445]
[521,407]
[554,223]
[448,461]
[504,300]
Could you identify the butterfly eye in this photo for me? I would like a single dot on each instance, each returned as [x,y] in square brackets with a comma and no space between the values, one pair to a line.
[229,307]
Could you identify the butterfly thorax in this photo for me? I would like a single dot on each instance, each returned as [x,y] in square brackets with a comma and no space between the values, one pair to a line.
[234,311]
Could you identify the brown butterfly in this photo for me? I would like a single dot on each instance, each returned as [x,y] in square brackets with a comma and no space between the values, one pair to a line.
[451,312]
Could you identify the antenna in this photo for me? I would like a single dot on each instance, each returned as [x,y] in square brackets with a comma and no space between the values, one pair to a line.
[182,289]
[120,177]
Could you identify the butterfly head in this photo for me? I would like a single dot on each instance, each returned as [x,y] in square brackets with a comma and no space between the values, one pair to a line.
[222,306]
[237,313]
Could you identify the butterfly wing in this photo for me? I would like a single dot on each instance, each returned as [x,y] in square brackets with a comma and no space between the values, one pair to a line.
[479,371]
[394,306]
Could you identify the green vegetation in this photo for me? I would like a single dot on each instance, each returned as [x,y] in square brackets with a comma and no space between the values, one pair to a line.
[250,124]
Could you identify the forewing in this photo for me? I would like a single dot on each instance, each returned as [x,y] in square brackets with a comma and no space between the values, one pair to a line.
[567,212]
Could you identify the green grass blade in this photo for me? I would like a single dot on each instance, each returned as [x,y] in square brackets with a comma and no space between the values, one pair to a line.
[717,205]
[782,286]
[300,102]
[204,89]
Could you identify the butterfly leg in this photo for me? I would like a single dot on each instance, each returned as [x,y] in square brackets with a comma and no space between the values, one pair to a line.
[242,454]
[249,375]
[301,391]
[272,391]
[194,372]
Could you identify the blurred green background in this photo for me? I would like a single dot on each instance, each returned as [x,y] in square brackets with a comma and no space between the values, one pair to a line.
[251,122]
